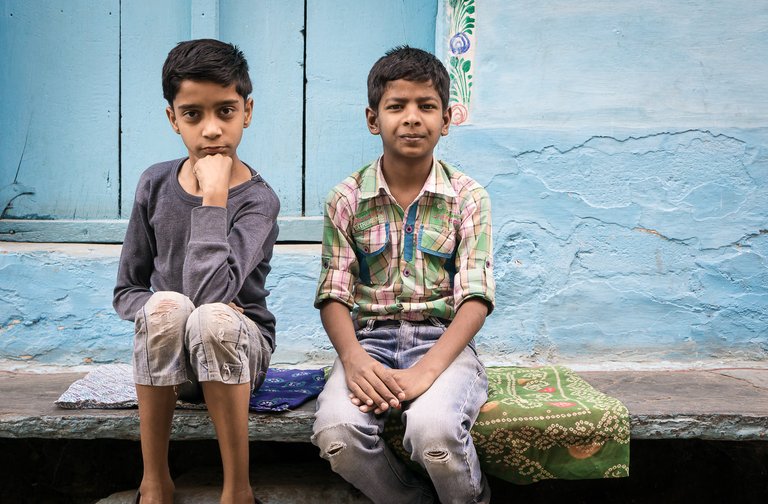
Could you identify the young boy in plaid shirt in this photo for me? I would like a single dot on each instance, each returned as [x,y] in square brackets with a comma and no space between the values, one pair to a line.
[407,249]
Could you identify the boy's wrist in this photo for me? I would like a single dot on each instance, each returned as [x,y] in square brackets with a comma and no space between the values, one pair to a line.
[215,198]
[352,354]
[428,370]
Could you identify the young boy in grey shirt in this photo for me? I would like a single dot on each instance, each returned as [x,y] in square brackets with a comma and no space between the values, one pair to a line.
[193,267]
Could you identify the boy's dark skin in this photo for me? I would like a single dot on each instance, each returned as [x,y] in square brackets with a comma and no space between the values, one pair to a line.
[410,118]
[210,117]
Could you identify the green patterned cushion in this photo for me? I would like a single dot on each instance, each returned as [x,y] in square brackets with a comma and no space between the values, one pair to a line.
[543,423]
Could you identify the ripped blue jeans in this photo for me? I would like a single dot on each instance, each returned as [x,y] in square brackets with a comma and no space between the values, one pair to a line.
[437,424]
[178,344]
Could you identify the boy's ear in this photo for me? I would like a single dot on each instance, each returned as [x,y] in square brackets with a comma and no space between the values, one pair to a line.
[248,112]
[372,120]
[172,119]
[447,114]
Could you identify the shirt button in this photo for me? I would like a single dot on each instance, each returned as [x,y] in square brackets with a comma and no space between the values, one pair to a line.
[487,264]
[365,249]
[409,229]
[407,273]
[326,264]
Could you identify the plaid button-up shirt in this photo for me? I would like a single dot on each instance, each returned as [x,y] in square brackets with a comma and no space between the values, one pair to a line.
[384,262]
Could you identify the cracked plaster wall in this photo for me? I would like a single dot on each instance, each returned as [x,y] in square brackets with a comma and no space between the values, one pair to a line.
[625,150]
[646,248]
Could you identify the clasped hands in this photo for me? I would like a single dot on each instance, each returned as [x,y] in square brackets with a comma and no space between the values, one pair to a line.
[376,388]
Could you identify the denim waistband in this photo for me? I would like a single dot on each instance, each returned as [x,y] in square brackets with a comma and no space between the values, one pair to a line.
[435,321]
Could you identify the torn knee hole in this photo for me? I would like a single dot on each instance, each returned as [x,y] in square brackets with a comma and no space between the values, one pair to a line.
[335,448]
[436,456]
[164,308]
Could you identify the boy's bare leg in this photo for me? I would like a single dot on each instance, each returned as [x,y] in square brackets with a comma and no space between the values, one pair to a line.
[156,406]
[228,407]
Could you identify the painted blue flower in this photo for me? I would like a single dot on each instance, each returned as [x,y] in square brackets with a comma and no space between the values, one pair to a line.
[459,43]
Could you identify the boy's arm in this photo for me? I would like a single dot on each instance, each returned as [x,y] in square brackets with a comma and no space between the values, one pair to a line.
[369,382]
[367,379]
[219,259]
[132,287]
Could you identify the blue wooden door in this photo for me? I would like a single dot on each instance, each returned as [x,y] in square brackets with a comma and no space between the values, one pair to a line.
[344,39]
[82,112]
[59,109]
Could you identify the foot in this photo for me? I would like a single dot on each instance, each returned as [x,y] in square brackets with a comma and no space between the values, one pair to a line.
[239,497]
[152,492]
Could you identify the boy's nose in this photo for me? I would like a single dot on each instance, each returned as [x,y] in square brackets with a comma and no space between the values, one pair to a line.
[412,117]
[211,129]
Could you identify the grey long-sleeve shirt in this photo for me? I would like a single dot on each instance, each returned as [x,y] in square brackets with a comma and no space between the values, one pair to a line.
[210,254]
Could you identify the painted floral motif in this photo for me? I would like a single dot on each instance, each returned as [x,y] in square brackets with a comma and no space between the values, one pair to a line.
[459,43]
[462,25]
[459,113]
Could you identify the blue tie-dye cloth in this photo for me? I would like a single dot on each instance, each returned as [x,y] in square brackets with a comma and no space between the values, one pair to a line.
[285,389]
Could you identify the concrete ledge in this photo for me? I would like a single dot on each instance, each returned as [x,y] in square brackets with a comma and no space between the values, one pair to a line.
[723,404]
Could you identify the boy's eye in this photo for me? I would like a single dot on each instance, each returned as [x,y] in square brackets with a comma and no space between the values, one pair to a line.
[428,106]
[190,114]
[227,111]
[395,106]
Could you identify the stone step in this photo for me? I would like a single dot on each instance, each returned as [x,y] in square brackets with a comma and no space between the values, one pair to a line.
[718,404]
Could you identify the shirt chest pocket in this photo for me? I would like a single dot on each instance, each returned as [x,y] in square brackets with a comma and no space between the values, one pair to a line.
[440,242]
[373,240]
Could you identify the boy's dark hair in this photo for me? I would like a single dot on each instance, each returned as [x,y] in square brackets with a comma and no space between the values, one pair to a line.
[411,64]
[205,60]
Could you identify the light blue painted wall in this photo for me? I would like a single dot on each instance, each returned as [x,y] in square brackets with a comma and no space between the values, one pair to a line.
[625,148]
[56,306]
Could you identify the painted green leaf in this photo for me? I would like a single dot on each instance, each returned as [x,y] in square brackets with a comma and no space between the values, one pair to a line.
[466,65]
[471,9]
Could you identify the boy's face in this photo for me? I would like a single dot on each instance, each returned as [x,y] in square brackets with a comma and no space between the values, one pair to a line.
[210,118]
[410,119]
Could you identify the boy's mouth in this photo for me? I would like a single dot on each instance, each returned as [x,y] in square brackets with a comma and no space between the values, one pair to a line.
[215,150]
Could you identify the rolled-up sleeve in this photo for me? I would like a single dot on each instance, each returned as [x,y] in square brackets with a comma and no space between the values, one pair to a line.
[339,268]
[474,256]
